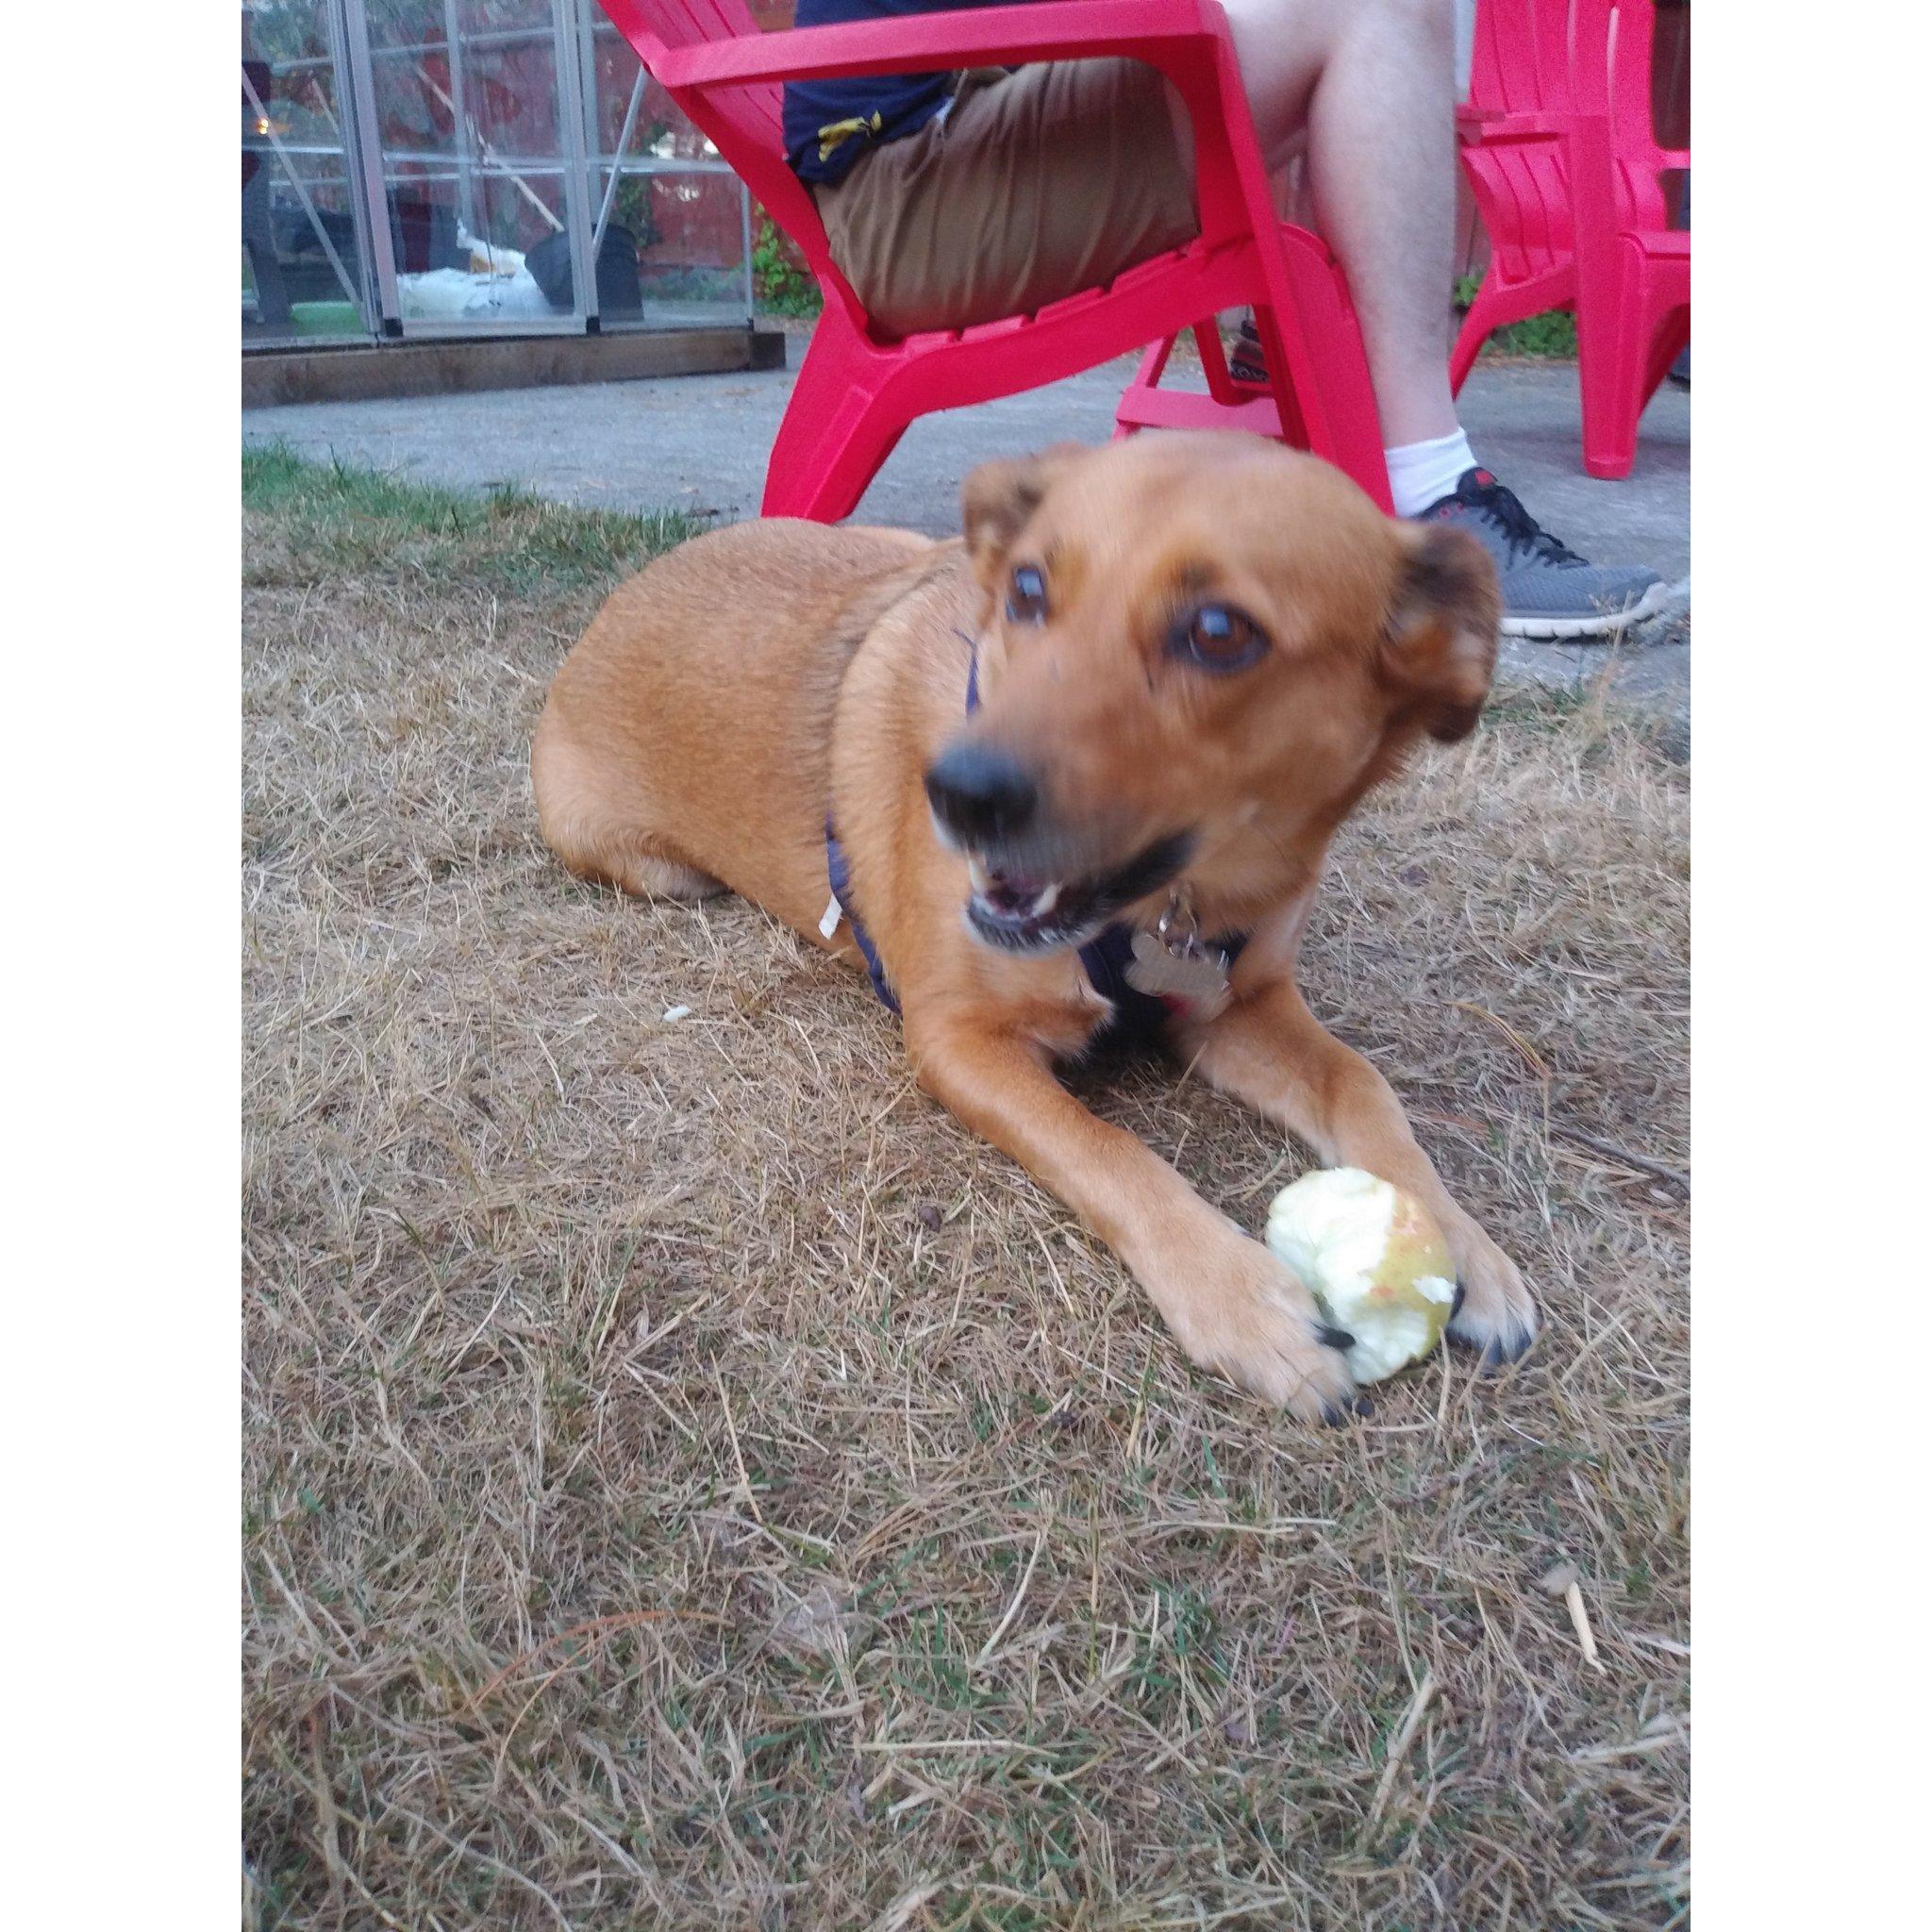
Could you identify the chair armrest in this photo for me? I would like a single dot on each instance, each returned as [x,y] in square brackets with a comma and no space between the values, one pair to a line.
[979,37]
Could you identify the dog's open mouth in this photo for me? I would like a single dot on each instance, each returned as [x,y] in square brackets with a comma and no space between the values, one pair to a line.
[1021,913]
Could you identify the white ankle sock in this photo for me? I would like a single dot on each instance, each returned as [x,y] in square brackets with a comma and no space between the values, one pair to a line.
[1419,473]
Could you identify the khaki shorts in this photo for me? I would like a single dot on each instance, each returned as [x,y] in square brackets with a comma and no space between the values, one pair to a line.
[1032,186]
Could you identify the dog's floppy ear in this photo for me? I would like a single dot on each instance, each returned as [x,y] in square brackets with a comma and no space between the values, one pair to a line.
[998,497]
[1439,649]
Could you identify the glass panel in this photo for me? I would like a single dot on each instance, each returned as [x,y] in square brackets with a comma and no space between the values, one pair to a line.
[474,162]
[690,247]
[522,275]
[302,272]
[678,210]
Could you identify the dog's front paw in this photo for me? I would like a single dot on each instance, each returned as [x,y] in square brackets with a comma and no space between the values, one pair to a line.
[1494,1313]
[1245,1316]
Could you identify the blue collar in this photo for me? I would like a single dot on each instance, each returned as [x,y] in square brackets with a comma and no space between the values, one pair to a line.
[840,875]
[1137,1015]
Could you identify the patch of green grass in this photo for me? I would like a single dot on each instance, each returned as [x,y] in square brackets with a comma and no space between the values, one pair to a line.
[1552,334]
[318,521]
[937,1666]
[1551,707]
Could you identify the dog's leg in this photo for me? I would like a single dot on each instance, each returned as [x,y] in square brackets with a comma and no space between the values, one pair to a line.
[600,827]
[648,876]
[630,866]
[1231,1304]
[1272,1053]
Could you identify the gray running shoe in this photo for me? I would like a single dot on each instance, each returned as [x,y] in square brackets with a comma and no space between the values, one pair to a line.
[1548,590]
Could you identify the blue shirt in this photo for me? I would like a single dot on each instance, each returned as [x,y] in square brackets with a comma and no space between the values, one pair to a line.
[830,124]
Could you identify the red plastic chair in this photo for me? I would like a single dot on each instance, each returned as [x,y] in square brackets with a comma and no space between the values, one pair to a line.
[1557,146]
[859,388]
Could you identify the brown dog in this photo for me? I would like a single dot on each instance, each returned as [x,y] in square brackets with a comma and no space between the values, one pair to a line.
[1131,708]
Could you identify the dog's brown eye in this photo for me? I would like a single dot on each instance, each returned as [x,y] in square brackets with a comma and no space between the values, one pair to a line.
[1217,637]
[1026,596]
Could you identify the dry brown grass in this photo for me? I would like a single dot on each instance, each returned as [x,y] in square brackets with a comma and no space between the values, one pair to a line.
[690,1483]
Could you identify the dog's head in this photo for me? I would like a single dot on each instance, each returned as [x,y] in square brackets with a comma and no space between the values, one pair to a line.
[1196,653]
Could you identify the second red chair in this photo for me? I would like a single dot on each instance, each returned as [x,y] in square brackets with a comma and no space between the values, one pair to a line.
[1557,144]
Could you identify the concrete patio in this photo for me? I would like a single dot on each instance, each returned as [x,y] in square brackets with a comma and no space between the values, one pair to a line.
[699,443]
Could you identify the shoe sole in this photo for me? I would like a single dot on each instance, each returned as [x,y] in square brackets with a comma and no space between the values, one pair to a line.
[1602,625]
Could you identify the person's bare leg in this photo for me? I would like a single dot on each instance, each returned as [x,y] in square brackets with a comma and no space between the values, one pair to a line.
[1369,86]
[1365,89]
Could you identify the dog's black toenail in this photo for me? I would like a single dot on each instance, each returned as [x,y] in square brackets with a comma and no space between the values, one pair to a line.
[1363,1406]
[1333,1416]
[1335,1337]
[1456,1306]
[1504,1349]
[1495,1350]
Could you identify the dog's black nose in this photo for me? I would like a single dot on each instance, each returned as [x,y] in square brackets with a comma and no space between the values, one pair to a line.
[981,794]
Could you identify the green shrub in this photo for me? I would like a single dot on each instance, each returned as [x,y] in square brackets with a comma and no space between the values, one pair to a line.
[781,283]
[1552,333]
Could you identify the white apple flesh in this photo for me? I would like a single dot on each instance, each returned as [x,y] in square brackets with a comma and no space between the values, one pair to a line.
[1373,1258]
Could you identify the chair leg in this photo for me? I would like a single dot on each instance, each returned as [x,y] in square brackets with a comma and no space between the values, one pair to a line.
[1496,306]
[838,431]
[1645,343]
[1669,339]
[1330,389]
[1153,366]
[1221,383]
[1643,362]
[1482,322]
[1610,408]
[1608,313]
[1606,355]
[1223,388]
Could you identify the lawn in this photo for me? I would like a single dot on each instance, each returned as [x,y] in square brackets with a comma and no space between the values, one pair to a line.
[688,1482]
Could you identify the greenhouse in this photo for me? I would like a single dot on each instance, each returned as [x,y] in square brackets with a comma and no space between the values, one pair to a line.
[457,168]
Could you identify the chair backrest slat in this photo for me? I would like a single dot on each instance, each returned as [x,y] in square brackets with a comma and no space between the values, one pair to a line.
[1589,56]
[1545,55]
[684,23]
[1633,127]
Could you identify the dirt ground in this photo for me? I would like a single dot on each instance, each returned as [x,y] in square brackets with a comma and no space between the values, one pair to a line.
[690,1483]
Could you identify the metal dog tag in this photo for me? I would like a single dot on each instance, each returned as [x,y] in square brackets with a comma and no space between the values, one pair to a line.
[1173,962]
